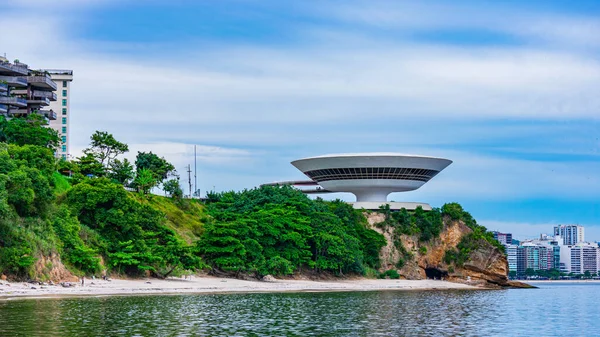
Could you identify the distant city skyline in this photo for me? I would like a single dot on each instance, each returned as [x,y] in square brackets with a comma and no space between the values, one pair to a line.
[508,91]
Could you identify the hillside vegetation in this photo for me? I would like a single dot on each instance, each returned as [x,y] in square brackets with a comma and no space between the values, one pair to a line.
[77,215]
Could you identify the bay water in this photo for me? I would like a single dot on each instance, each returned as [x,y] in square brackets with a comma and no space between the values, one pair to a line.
[555,309]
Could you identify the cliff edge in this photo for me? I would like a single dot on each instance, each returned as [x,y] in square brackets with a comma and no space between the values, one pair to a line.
[485,265]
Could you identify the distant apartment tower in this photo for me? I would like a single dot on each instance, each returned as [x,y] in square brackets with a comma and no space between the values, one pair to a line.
[570,234]
[534,257]
[511,256]
[580,258]
[61,124]
[503,238]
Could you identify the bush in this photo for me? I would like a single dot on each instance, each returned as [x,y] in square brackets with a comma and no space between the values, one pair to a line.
[391,274]
[422,250]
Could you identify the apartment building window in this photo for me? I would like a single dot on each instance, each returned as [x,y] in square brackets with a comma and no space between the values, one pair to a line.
[64,139]
[64,156]
[64,148]
[64,84]
[65,93]
[64,102]
[64,129]
[64,111]
[64,120]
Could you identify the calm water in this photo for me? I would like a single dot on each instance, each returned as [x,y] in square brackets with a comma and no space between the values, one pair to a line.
[553,310]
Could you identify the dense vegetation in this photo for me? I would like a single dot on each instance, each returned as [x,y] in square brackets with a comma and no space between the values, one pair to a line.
[470,241]
[79,210]
[90,220]
[278,230]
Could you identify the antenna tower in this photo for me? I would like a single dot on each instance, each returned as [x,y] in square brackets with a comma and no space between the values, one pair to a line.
[189,171]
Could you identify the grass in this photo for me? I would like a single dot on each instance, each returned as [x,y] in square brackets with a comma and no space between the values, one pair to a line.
[184,216]
[61,183]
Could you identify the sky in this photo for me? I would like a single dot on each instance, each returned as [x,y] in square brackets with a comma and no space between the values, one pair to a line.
[510,91]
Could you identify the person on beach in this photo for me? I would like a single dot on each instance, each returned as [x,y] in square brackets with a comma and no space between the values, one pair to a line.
[82,281]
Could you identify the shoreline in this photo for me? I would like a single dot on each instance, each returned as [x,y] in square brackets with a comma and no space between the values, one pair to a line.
[561,281]
[213,285]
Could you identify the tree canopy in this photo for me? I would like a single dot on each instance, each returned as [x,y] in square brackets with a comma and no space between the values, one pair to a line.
[28,130]
[160,168]
[278,230]
[105,148]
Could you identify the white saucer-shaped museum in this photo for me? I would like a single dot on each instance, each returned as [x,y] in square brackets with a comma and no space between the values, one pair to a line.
[371,177]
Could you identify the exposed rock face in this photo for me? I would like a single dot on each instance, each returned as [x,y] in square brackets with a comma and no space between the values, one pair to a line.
[268,278]
[487,266]
[51,267]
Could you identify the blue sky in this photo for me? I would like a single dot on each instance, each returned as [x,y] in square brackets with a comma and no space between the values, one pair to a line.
[507,90]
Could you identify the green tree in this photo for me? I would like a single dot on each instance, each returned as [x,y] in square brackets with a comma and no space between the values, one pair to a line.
[105,148]
[222,248]
[173,188]
[88,165]
[30,130]
[133,236]
[121,172]
[75,251]
[161,169]
[145,181]
[529,272]
[278,230]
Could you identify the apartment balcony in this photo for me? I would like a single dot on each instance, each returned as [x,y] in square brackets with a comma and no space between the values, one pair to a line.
[50,95]
[3,87]
[50,114]
[14,101]
[38,101]
[18,112]
[7,68]
[3,109]
[14,81]
[35,94]
[42,82]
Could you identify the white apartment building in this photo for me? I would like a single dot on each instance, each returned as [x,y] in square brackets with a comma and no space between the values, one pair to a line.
[580,258]
[570,234]
[62,107]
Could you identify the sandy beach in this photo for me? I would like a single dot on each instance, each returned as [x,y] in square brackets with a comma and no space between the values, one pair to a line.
[200,285]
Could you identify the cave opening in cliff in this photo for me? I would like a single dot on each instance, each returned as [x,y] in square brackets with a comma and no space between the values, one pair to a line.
[434,273]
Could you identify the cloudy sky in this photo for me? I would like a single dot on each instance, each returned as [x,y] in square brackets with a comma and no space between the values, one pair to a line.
[509,91]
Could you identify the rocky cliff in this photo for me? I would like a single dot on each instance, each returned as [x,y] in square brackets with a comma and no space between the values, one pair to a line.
[486,266]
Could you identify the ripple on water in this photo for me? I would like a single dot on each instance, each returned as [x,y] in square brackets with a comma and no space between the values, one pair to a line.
[531,312]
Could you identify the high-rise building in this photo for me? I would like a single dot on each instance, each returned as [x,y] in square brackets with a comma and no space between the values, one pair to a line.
[61,105]
[536,257]
[45,92]
[503,238]
[580,258]
[570,234]
[511,256]
[26,91]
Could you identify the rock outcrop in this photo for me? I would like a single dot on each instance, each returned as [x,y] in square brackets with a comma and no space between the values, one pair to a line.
[52,269]
[487,266]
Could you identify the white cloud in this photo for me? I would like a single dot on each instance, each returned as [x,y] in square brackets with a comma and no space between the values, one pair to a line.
[534,26]
[324,96]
